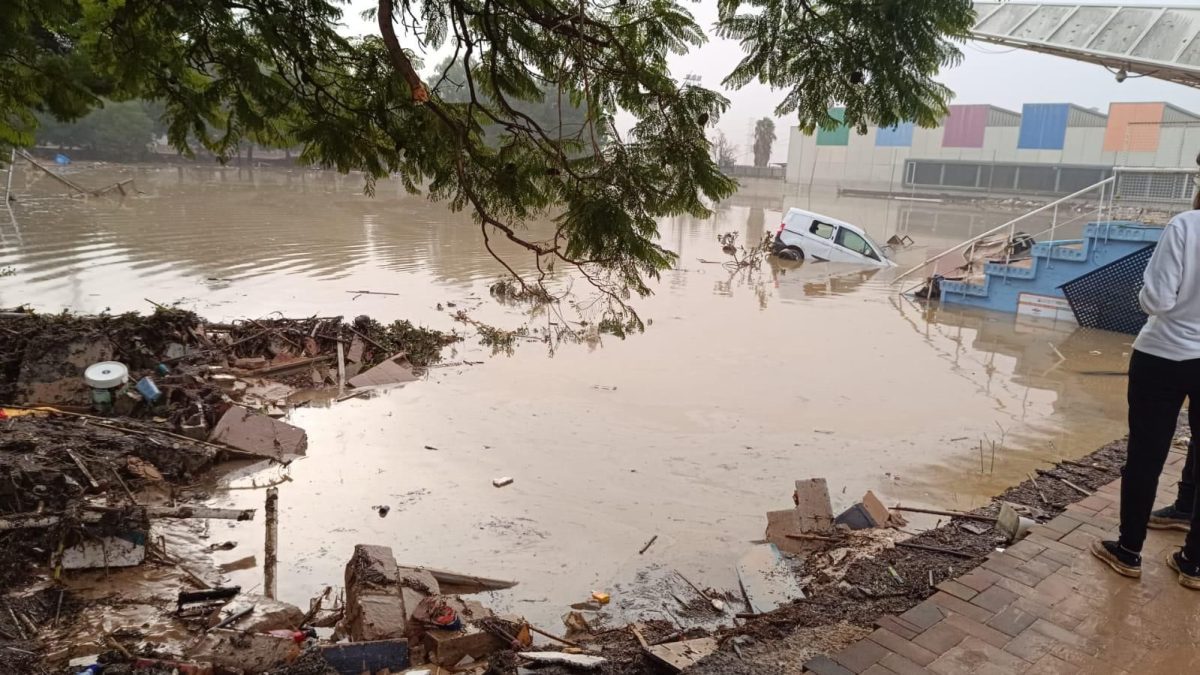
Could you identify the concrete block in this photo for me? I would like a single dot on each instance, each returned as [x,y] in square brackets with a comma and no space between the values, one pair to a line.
[371,568]
[374,605]
[812,500]
[376,617]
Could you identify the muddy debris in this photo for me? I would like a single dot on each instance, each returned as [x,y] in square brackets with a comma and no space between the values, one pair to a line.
[89,465]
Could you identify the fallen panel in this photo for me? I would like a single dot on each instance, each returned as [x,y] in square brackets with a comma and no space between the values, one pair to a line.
[453,583]
[875,508]
[680,655]
[583,661]
[124,550]
[393,370]
[367,657]
[259,434]
[766,579]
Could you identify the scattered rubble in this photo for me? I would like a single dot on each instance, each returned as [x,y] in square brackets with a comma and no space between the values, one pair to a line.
[86,464]
[74,492]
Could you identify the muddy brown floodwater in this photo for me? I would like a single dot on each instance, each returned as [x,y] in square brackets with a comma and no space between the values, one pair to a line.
[689,432]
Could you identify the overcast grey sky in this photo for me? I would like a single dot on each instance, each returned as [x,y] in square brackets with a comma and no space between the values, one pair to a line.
[988,74]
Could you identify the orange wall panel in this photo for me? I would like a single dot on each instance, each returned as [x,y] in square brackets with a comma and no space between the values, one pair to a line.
[1133,127]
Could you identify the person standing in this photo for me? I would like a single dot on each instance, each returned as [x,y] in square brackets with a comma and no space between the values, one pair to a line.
[1164,370]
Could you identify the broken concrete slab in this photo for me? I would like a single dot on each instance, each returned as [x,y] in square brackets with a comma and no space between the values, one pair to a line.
[367,657]
[581,661]
[375,608]
[376,617]
[812,501]
[767,581]
[126,549]
[259,434]
[393,370]
[265,614]
[781,524]
[680,655]
[247,652]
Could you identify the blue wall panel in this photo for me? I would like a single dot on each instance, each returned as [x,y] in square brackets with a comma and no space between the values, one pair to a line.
[895,137]
[1043,126]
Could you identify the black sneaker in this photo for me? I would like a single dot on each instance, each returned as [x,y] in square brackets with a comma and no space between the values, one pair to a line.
[1189,572]
[1124,562]
[1170,518]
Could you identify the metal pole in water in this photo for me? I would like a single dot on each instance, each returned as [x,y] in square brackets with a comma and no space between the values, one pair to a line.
[270,550]
[12,161]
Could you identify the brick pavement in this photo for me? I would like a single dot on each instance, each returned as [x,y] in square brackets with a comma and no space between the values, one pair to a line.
[1046,606]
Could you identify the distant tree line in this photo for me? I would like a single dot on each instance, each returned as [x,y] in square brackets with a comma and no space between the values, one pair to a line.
[120,130]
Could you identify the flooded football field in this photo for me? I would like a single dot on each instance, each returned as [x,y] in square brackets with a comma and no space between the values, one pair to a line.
[742,382]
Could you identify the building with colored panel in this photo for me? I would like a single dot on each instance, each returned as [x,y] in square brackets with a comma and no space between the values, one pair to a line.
[899,136]
[1048,148]
[839,135]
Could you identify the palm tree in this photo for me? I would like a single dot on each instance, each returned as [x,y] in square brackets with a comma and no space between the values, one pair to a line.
[764,137]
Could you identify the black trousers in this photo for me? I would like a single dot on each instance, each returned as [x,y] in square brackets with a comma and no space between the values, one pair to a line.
[1157,390]
[1185,499]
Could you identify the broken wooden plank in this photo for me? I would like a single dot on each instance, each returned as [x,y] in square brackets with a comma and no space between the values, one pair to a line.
[767,581]
[79,463]
[95,513]
[199,512]
[952,514]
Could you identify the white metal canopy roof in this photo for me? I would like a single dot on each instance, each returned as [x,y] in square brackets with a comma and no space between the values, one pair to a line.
[1154,41]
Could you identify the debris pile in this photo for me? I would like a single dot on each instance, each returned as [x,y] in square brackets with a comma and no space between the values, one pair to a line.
[188,371]
[104,416]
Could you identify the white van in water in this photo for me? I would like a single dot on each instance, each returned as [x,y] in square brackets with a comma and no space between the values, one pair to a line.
[807,235]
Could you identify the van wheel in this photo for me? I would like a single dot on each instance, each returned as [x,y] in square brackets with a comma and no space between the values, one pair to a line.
[792,253]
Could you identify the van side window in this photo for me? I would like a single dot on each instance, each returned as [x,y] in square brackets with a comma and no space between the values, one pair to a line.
[854,242]
[822,230]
